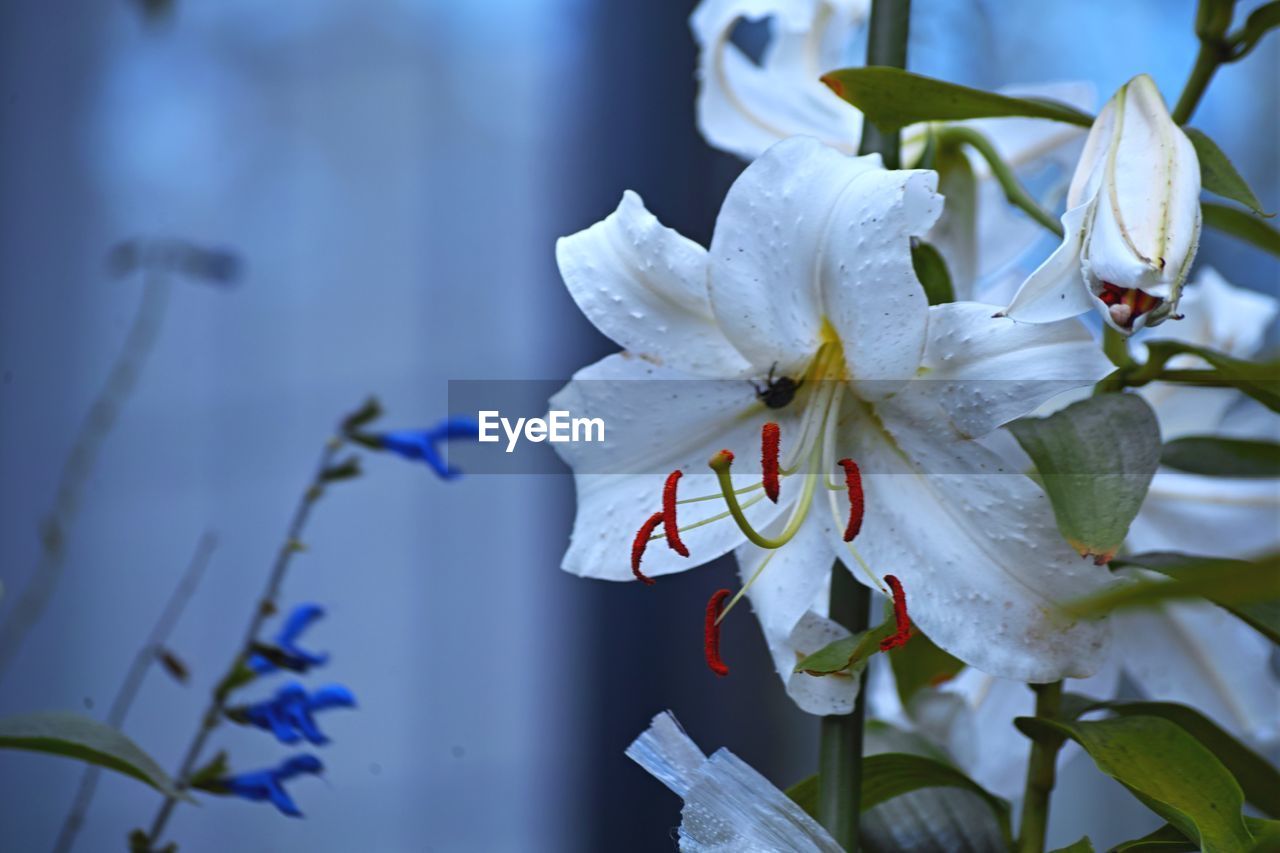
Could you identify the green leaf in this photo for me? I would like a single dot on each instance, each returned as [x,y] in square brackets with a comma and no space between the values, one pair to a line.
[849,654]
[1230,583]
[1166,839]
[1266,835]
[1242,224]
[920,663]
[1096,459]
[931,270]
[891,99]
[1217,173]
[1259,781]
[1263,616]
[1260,21]
[1167,769]
[1222,457]
[892,774]
[1260,380]
[347,469]
[1084,845]
[84,739]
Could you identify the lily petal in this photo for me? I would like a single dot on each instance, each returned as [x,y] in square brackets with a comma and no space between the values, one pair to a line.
[987,371]
[1056,290]
[645,286]
[974,544]
[806,233]
[742,107]
[658,420]
[1222,516]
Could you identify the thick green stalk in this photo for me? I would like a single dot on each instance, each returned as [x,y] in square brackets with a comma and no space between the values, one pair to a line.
[840,755]
[840,750]
[886,45]
[1207,61]
[1041,774]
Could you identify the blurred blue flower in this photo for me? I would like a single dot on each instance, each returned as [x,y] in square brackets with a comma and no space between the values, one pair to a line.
[292,657]
[423,445]
[268,784]
[288,715]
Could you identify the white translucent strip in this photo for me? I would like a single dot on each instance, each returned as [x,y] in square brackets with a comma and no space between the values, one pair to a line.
[728,806]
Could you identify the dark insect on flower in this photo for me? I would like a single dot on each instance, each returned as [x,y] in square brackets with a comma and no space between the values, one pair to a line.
[423,445]
[289,714]
[259,785]
[287,654]
[777,393]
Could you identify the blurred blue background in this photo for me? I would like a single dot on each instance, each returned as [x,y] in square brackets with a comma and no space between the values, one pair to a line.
[394,175]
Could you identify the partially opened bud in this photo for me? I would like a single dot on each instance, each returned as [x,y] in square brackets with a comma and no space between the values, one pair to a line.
[1132,220]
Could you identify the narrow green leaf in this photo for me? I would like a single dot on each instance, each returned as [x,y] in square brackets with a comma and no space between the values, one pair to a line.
[1218,174]
[1229,583]
[84,739]
[1084,845]
[920,663]
[1260,380]
[1266,834]
[892,774]
[931,270]
[1167,769]
[1166,839]
[1214,456]
[849,654]
[1241,224]
[1263,616]
[1260,21]
[892,99]
[1096,459]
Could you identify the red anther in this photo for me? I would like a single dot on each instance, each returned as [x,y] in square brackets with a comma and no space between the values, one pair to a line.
[640,543]
[711,633]
[770,438]
[853,482]
[669,514]
[900,618]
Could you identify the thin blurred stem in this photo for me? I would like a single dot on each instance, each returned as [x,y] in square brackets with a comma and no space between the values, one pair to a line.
[133,679]
[886,45]
[265,607]
[1014,192]
[1208,59]
[1041,774]
[840,748]
[80,462]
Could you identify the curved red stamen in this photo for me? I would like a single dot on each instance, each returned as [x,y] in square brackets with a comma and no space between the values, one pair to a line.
[900,618]
[770,438]
[711,633]
[640,543]
[853,482]
[669,514]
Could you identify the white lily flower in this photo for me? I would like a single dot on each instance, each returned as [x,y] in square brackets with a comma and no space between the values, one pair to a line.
[809,277]
[1132,222]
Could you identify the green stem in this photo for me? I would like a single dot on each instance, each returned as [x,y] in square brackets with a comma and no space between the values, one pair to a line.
[1211,55]
[1014,192]
[840,750]
[1116,348]
[264,608]
[1041,774]
[887,46]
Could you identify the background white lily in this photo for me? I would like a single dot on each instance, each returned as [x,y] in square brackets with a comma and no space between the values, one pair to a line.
[809,275]
[744,107]
[1132,222]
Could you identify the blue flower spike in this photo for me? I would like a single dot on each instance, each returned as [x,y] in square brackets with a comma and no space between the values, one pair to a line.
[423,445]
[289,715]
[293,657]
[259,785]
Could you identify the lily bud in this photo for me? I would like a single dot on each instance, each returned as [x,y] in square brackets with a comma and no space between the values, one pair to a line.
[1132,222]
